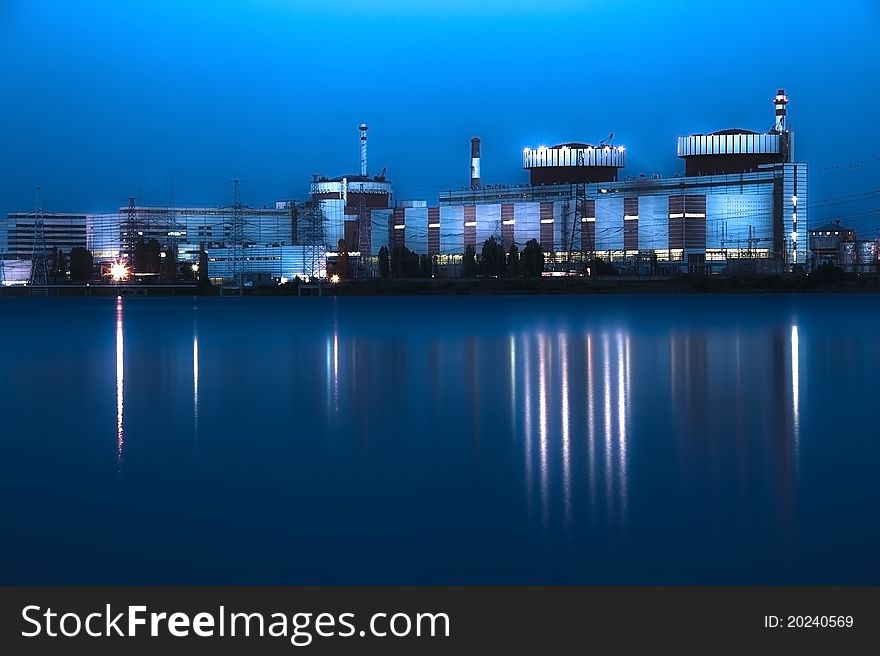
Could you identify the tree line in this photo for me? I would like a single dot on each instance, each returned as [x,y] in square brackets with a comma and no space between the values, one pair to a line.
[400,262]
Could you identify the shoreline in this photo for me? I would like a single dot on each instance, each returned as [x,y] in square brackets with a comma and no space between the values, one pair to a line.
[785,284]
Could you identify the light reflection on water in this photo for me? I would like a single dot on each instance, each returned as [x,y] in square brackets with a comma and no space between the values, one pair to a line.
[461,440]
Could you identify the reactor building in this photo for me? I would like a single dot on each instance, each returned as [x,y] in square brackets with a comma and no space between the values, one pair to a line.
[742,196]
[347,204]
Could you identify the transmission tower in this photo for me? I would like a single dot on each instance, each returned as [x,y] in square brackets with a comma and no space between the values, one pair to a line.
[572,225]
[313,237]
[39,259]
[130,230]
[236,241]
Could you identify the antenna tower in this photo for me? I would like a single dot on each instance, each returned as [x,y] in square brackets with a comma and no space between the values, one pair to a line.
[39,260]
[236,241]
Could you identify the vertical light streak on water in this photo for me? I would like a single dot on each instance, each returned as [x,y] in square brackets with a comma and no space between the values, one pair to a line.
[566,437]
[329,376]
[120,377]
[196,387]
[527,419]
[606,391]
[542,425]
[512,348]
[591,427]
[795,393]
[622,409]
[335,372]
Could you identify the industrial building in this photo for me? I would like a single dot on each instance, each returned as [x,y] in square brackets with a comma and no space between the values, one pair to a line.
[351,211]
[274,245]
[741,204]
[63,231]
[741,196]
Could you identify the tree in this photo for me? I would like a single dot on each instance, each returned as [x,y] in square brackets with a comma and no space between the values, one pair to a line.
[80,264]
[425,268]
[147,256]
[59,264]
[169,265]
[204,281]
[532,259]
[493,258]
[469,262]
[384,262]
[404,263]
[513,262]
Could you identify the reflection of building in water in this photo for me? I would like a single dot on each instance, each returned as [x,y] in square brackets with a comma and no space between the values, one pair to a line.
[575,413]
[195,386]
[120,376]
[736,399]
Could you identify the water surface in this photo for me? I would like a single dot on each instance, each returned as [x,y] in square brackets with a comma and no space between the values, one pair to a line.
[575,439]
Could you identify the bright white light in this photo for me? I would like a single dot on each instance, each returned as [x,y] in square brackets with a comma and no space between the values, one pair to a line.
[283,280]
[794,234]
[470,224]
[527,149]
[119,271]
[794,200]
[433,225]
[620,149]
[335,278]
[195,268]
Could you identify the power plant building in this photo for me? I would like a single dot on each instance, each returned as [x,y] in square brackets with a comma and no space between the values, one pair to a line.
[741,196]
[741,203]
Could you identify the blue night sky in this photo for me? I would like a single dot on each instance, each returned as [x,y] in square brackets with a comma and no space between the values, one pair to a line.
[106,99]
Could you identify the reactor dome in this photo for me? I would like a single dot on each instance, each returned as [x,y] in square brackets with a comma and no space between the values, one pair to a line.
[737,150]
[572,163]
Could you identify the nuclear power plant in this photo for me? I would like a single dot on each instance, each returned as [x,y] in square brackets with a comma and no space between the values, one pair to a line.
[739,204]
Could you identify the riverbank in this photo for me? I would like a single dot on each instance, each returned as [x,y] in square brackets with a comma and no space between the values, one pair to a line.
[597,285]
[493,286]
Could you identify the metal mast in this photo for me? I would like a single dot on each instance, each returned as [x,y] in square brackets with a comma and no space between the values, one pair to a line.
[364,226]
[313,236]
[236,240]
[39,260]
[130,230]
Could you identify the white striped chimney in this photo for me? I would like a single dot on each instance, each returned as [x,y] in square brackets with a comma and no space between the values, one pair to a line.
[475,163]
[363,128]
[780,101]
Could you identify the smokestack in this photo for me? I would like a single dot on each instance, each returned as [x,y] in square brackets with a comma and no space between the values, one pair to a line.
[780,101]
[363,128]
[475,163]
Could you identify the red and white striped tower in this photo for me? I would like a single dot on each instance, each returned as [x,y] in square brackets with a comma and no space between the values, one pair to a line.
[475,163]
[363,128]
[780,101]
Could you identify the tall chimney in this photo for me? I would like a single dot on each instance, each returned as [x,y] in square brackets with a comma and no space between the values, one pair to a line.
[363,128]
[780,101]
[475,163]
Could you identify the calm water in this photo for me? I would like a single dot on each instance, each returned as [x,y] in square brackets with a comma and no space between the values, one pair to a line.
[661,439]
